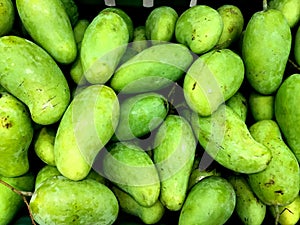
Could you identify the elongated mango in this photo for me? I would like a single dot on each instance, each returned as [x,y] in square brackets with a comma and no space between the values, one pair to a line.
[273,186]
[49,25]
[152,69]
[239,104]
[226,138]
[265,50]
[30,74]
[210,202]
[7,16]
[173,154]
[104,43]
[85,128]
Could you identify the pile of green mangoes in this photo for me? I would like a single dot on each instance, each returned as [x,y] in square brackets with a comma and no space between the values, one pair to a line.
[184,115]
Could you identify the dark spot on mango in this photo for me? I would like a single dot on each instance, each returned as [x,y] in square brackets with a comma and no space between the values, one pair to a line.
[271,182]
[279,192]
[194,86]
[5,123]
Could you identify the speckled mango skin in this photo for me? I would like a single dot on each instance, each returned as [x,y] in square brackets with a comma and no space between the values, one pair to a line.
[210,202]
[16,133]
[248,207]
[132,170]
[212,79]
[29,73]
[87,125]
[272,185]
[239,103]
[226,138]
[104,43]
[59,200]
[173,154]
[287,112]
[265,50]
[49,25]
[199,28]
[7,16]
[11,202]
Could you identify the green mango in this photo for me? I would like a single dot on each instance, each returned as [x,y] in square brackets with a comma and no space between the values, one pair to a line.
[7,16]
[199,27]
[289,8]
[48,24]
[239,103]
[278,184]
[79,29]
[152,69]
[85,128]
[16,132]
[131,169]
[249,208]
[287,112]
[212,79]
[148,215]
[59,200]
[72,11]
[34,78]
[43,144]
[105,41]
[210,202]
[141,114]
[266,47]
[160,24]
[197,175]
[288,214]
[11,203]
[297,46]
[174,150]
[139,41]
[261,106]
[226,138]
[233,24]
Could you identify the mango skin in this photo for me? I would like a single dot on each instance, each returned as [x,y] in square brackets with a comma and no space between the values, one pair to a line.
[131,169]
[226,138]
[272,185]
[261,106]
[11,202]
[41,17]
[239,103]
[7,16]
[72,11]
[60,200]
[85,128]
[265,50]
[199,28]
[209,202]
[173,154]
[160,24]
[104,43]
[148,215]
[287,112]
[249,208]
[152,69]
[212,79]
[35,79]
[16,133]
[297,46]
[140,114]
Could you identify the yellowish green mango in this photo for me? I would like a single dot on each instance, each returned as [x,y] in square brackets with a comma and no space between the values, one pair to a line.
[278,184]
[160,24]
[132,170]
[239,103]
[261,106]
[226,138]
[212,79]
[249,208]
[72,10]
[148,215]
[85,128]
[197,175]
[233,25]
[11,203]
[210,202]
[48,24]
[152,69]
[34,78]
[266,47]
[139,41]
[199,27]
[59,200]
[16,132]
[287,112]
[104,43]
[7,16]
